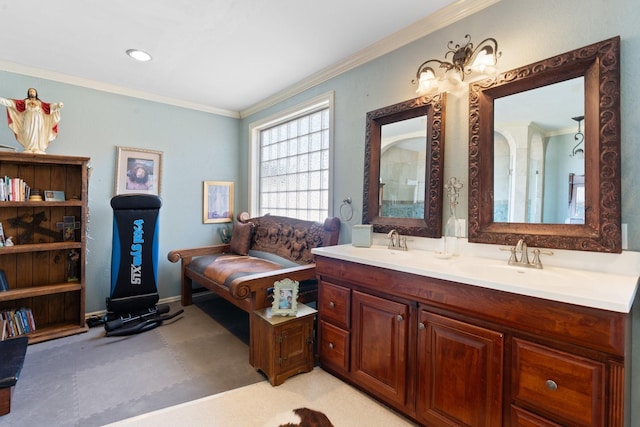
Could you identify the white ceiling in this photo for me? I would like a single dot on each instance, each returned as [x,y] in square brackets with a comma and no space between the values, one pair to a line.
[224,56]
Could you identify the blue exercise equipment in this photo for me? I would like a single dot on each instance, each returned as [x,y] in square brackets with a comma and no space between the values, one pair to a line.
[131,307]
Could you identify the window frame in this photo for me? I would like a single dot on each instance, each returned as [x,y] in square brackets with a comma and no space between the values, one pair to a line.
[320,102]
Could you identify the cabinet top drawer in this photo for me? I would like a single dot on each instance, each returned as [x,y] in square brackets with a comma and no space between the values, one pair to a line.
[559,384]
[334,304]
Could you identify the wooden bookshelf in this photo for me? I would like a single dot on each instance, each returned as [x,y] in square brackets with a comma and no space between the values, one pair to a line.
[37,266]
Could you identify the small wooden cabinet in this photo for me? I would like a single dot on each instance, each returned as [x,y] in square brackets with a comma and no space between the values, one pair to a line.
[448,354]
[44,269]
[282,346]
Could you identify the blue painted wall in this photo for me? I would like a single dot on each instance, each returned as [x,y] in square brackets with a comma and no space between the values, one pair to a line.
[196,146]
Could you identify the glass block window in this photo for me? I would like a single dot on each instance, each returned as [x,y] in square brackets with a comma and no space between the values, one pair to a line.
[293,164]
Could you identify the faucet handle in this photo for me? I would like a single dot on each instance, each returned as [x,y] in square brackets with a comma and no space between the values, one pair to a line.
[537,263]
[512,257]
[403,243]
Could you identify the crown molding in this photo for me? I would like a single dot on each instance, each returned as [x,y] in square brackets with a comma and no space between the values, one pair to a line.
[105,87]
[419,29]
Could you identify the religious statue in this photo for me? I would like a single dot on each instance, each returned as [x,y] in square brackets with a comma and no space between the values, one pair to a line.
[34,123]
[73,269]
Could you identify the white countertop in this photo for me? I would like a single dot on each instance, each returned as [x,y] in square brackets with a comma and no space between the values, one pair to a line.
[612,291]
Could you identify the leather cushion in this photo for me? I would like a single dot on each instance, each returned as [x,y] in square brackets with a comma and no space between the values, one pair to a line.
[225,268]
[241,238]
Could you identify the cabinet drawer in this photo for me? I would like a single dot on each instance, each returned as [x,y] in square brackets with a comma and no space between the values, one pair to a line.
[522,418]
[334,304]
[561,385]
[334,346]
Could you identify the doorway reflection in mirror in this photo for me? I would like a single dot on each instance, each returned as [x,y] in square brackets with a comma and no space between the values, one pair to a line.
[531,139]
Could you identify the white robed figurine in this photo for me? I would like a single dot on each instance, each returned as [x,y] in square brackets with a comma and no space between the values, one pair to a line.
[34,123]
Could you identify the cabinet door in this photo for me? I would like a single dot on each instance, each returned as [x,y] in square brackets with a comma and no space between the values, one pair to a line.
[295,340]
[379,345]
[459,373]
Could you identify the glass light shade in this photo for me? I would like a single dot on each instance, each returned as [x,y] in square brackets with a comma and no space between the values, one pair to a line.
[484,60]
[427,81]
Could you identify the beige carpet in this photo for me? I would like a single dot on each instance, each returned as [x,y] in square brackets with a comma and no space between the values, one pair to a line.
[261,405]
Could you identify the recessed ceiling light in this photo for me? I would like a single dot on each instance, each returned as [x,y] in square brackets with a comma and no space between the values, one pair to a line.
[139,55]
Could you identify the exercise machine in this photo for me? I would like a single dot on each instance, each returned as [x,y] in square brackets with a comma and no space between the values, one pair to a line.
[132,305]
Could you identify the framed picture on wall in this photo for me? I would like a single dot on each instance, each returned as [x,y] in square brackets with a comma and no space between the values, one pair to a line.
[217,202]
[138,171]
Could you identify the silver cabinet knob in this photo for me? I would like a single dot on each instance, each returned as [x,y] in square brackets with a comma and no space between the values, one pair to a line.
[331,346]
[551,385]
[399,318]
[332,304]
[421,326]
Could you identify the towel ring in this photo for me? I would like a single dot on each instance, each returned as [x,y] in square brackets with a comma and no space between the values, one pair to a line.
[346,203]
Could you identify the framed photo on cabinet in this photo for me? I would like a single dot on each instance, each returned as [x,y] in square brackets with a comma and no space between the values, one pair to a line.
[138,171]
[217,202]
[285,298]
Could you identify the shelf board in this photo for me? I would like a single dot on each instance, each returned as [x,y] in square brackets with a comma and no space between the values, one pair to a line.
[57,330]
[39,247]
[37,291]
[39,204]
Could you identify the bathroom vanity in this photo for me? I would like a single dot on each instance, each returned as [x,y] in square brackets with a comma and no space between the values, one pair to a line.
[474,341]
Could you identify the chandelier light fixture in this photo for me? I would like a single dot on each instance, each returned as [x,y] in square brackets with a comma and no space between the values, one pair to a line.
[579,136]
[434,73]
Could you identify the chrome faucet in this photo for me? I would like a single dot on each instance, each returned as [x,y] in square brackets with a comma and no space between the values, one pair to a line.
[520,255]
[523,251]
[393,237]
[396,241]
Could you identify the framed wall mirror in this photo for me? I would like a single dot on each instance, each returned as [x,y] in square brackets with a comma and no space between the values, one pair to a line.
[544,153]
[404,162]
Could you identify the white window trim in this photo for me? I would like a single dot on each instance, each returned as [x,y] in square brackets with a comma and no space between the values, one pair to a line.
[319,102]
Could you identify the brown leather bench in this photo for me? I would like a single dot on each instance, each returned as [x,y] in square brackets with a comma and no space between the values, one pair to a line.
[262,250]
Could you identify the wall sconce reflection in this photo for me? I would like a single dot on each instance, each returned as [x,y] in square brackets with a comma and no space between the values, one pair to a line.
[579,136]
[464,60]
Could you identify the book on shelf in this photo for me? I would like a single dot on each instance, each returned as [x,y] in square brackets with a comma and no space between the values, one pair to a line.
[4,285]
[18,321]
[3,329]
[14,190]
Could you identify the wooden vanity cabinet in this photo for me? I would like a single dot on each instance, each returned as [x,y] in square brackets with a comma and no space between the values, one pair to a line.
[447,354]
